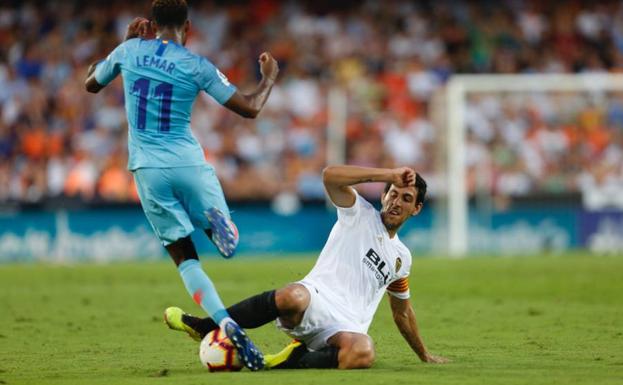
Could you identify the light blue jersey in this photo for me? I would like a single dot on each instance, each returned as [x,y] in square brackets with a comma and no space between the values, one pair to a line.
[161,80]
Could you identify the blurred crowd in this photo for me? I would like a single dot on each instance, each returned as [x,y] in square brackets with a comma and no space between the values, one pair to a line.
[389,57]
[552,143]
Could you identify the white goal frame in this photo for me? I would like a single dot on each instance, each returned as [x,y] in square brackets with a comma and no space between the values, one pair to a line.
[457,89]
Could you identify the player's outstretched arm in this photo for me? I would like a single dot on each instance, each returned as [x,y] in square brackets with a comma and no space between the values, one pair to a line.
[250,105]
[338,179]
[404,317]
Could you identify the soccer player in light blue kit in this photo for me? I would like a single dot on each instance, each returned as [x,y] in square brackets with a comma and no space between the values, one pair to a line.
[178,189]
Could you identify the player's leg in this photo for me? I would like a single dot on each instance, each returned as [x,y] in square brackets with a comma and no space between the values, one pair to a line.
[173,227]
[196,281]
[321,327]
[346,350]
[296,355]
[204,200]
[355,350]
[203,292]
[194,187]
[288,303]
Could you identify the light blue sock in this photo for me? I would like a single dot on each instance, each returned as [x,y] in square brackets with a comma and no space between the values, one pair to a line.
[201,288]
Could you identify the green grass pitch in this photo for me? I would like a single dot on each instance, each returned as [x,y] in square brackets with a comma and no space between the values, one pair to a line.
[525,320]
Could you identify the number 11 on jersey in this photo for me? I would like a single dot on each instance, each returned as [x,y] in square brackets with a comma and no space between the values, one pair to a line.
[163,91]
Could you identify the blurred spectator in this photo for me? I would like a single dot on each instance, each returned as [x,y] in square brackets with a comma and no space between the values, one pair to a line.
[390,58]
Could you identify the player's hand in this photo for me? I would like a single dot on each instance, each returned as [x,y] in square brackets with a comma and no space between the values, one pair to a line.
[139,27]
[431,359]
[145,31]
[268,66]
[403,177]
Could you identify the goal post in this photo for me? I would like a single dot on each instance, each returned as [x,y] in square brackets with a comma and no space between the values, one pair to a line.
[458,88]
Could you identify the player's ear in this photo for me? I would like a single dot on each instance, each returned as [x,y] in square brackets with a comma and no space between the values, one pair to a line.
[417,209]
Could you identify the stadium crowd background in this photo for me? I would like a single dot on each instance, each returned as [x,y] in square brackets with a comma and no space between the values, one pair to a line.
[392,56]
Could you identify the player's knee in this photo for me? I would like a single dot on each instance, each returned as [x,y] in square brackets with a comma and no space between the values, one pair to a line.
[182,250]
[365,360]
[358,360]
[360,355]
[292,298]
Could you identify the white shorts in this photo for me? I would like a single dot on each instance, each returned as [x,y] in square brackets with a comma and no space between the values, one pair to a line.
[321,320]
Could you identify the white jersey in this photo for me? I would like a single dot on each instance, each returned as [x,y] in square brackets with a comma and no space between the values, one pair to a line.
[358,263]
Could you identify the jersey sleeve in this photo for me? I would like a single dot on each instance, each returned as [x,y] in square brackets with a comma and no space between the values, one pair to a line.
[108,69]
[399,288]
[349,215]
[214,82]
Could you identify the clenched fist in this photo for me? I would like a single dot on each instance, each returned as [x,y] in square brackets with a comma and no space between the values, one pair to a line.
[139,27]
[403,177]
[268,66]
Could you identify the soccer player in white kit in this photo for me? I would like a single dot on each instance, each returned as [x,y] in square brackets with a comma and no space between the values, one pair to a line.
[330,310]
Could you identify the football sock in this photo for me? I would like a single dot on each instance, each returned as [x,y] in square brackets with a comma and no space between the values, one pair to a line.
[325,358]
[201,289]
[251,313]
[301,358]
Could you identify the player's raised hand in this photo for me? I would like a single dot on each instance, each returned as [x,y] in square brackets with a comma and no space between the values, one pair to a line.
[139,27]
[403,177]
[145,31]
[268,66]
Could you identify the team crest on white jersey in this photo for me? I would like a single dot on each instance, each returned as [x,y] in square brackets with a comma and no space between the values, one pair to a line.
[398,264]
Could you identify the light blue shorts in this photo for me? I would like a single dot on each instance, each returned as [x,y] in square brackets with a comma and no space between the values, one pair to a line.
[175,199]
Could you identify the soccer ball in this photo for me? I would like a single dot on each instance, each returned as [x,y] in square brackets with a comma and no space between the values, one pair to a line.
[218,354]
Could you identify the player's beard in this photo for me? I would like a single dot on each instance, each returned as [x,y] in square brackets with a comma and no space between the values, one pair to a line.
[389,225]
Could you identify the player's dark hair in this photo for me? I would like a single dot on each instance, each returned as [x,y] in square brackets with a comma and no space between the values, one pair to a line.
[169,13]
[420,186]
